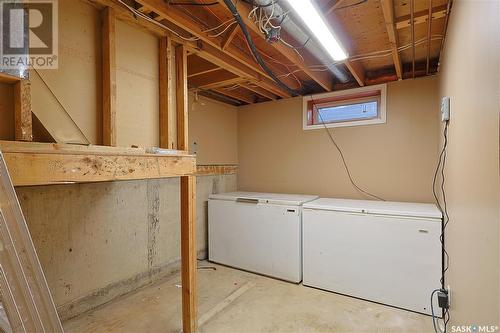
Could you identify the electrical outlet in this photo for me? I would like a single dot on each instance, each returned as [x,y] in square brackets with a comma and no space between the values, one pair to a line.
[445,109]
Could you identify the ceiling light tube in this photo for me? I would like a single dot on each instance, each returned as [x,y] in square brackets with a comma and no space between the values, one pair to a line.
[315,22]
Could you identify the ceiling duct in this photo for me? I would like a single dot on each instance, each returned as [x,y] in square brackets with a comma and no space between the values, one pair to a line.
[300,36]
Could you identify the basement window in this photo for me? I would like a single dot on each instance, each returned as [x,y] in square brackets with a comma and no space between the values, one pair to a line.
[354,107]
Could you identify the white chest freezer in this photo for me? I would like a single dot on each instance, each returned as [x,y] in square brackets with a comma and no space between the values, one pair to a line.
[258,232]
[387,252]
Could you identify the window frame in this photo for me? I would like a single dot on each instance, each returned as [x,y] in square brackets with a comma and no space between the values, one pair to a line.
[346,97]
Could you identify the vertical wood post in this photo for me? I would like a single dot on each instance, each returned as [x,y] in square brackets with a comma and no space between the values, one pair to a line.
[22,111]
[188,202]
[188,254]
[182,97]
[109,77]
[166,93]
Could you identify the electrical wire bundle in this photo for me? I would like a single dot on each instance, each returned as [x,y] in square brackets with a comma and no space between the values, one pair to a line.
[443,207]
[269,24]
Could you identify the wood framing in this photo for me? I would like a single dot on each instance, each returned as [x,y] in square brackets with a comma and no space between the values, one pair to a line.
[357,71]
[236,94]
[176,17]
[109,77]
[388,10]
[324,79]
[421,17]
[188,254]
[229,36]
[22,111]
[46,164]
[258,90]
[25,293]
[182,97]
[210,170]
[166,92]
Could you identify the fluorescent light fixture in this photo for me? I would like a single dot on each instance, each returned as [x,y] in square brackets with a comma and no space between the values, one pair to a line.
[313,20]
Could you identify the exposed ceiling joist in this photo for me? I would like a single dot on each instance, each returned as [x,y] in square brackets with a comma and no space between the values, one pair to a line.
[388,10]
[239,95]
[224,83]
[258,90]
[421,17]
[204,50]
[229,36]
[187,24]
[324,79]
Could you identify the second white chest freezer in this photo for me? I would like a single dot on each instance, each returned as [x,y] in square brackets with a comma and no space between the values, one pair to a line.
[258,232]
[387,252]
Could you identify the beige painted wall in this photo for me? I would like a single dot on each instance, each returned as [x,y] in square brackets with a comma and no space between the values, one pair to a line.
[470,76]
[137,85]
[393,160]
[213,126]
[77,82]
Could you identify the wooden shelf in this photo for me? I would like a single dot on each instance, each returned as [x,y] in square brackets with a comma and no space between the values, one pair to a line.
[46,163]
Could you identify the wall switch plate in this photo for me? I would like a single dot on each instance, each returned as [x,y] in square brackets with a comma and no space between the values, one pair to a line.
[445,109]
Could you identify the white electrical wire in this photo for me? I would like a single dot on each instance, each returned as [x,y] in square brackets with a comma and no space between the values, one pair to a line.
[223,31]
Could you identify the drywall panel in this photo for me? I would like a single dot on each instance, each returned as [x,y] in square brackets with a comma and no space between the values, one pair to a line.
[6,112]
[470,77]
[137,80]
[213,127]
[77,82]
[393,160]
[98,241]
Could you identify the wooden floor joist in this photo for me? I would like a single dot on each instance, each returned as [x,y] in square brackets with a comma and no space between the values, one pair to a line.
[388,10]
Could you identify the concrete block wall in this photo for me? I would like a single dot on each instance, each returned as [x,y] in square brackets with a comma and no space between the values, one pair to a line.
[101,240]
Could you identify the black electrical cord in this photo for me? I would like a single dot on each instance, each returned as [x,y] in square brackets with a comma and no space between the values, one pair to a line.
[332,139]
[444,222]
[255,52]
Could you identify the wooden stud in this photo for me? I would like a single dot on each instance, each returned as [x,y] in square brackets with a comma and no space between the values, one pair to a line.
[388,10]
[22,111]
[206,51]
[166,93]
[182,97]
[188,254]
[242,59]
[109,77]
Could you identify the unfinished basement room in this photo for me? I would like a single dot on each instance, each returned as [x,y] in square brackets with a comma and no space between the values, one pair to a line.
[249,166]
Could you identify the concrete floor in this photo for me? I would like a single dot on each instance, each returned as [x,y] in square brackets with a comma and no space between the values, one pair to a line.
[232,301]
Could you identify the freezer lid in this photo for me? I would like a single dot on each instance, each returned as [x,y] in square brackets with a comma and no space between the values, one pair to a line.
[271,198]
[376,207]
